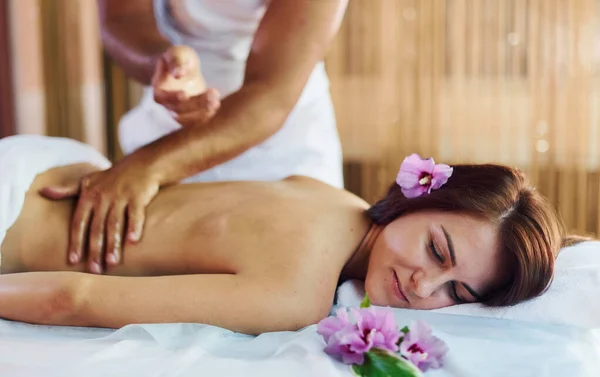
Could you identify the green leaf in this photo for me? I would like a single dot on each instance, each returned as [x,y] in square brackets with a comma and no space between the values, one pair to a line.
[366,302]
[380,363]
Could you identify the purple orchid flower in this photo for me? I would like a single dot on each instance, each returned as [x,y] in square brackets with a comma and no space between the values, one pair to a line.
[330,325]
[380,325]
[374,328]
[348,345]
[418,176]
[422,348]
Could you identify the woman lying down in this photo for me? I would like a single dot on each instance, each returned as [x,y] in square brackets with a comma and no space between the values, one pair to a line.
[257,257]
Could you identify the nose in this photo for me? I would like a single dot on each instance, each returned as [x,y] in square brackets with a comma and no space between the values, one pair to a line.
[426,284]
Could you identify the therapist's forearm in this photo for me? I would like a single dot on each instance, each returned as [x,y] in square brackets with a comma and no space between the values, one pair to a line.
[132,50]
[131,37]
[245,119]
[134,47]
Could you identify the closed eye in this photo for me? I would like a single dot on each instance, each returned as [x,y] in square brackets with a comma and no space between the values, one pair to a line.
[454,294]
[452,286]
[436,254]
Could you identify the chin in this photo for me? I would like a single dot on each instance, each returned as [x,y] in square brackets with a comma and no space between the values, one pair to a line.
[376,296]
[369,290]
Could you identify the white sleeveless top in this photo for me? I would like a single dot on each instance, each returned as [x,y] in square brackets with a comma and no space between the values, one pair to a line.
[222,31]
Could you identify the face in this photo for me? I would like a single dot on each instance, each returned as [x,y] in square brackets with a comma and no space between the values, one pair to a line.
[428,260]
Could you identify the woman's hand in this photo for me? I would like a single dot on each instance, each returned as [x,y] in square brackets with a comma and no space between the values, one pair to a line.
[179,86]
[110,210]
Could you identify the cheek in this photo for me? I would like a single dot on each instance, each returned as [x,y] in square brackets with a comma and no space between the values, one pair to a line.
[391,244]
[375,285]
[404,250]
[380,253]
[372,284]
[378,265]
[386,253]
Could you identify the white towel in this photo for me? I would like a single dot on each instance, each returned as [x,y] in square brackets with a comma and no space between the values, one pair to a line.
[23,157]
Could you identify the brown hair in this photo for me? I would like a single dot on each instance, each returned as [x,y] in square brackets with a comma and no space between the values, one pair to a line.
[530,231]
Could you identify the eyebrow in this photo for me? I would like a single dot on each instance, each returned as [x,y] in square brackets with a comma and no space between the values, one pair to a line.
[453,260]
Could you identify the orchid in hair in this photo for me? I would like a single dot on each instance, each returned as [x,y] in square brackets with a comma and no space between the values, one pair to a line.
[418,176]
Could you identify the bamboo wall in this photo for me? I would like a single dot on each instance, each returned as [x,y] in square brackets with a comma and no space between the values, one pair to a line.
[507,81]
[57,69]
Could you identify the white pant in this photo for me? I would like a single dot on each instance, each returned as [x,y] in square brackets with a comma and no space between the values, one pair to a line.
[23,157]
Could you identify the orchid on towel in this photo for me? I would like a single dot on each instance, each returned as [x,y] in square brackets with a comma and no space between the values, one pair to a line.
[375,346]
[421,348]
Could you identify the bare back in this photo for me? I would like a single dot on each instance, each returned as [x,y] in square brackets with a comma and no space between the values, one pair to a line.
[229,227]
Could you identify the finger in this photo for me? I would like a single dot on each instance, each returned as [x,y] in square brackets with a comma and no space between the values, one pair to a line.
[213,95]
[135,221]
[167,98]
[96,238]
[213,101]
[79,227]
[208,101]
[197,118]
[114,234]
[160,71]
[60,192]
[179,71]
[175,65]
[178,66]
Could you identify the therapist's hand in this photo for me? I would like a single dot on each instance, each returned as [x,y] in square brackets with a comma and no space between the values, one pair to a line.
[192,111]
[178,85]
[110,211]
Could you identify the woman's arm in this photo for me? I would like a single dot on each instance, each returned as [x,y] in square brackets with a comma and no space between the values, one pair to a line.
[236,302]
[131,37]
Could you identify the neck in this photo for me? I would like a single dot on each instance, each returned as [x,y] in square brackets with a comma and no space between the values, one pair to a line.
[357,265]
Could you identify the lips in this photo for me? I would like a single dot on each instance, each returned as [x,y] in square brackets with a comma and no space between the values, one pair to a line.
[398,289]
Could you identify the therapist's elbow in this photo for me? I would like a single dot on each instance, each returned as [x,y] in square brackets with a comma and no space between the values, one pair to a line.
[277,95]
[65,302]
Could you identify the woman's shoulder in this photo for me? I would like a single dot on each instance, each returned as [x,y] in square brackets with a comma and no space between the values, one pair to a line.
[328,226]
[321,190]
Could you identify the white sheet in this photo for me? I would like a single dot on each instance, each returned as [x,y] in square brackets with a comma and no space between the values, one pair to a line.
[478,347]
[526,341]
